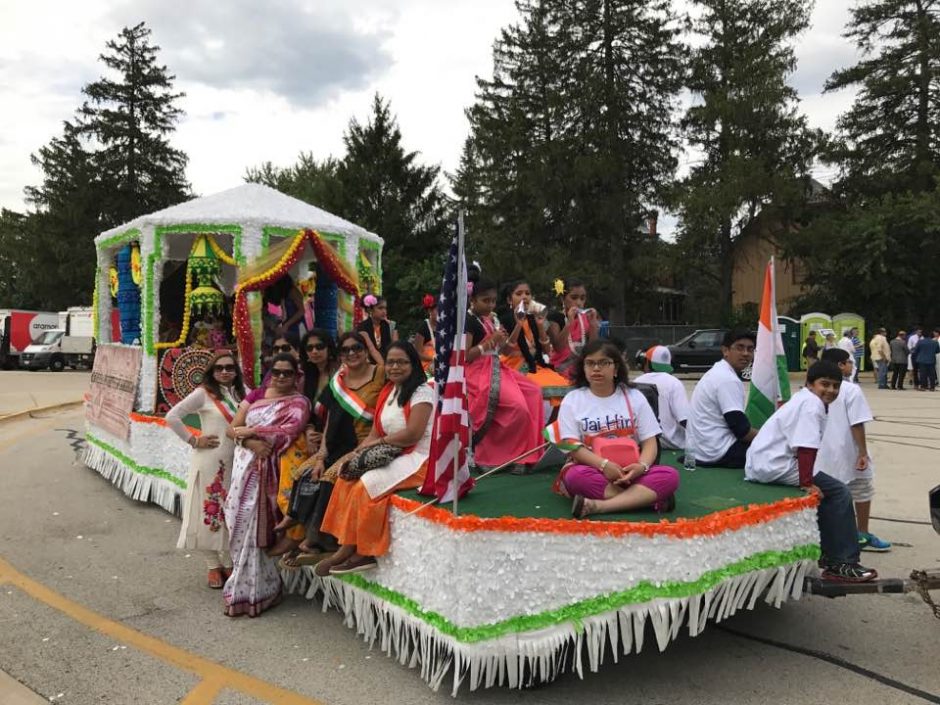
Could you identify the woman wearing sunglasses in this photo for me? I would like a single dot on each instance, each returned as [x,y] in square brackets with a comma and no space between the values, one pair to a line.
[349,403]
[320,363]
[262,430]
[215,401]
[392,458]
[609,430]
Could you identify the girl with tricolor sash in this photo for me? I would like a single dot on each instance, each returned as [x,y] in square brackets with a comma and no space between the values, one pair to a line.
[603,420]
[527,344]
[393,457]
[349,403]
[505,406]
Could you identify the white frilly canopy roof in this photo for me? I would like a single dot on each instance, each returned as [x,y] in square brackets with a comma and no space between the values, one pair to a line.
[247,205]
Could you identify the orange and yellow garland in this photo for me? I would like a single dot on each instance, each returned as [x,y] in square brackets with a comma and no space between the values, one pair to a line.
[329,260]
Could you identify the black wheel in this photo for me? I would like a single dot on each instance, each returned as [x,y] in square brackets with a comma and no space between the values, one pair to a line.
[57,364]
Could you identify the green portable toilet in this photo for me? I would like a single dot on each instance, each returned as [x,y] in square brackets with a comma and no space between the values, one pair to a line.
[841,321]
[792,346]
[813,321]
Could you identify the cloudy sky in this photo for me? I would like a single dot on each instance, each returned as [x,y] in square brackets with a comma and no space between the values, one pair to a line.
[265,80]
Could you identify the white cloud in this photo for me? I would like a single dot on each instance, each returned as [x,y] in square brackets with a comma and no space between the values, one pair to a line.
[266,85]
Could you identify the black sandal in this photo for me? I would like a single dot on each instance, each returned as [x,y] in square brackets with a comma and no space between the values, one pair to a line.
[577,506]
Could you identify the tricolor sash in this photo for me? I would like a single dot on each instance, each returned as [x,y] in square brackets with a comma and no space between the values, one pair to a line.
[349,400]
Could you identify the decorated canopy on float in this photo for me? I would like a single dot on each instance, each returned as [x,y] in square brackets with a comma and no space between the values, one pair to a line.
[217,239]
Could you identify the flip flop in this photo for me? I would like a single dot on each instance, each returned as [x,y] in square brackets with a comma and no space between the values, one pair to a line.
[577,506]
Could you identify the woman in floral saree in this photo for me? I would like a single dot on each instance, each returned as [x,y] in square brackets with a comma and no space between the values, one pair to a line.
[263,430]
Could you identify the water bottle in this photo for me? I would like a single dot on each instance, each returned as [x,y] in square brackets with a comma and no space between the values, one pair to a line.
[689,462]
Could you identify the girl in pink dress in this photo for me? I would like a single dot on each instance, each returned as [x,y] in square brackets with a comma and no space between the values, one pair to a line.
[505,407]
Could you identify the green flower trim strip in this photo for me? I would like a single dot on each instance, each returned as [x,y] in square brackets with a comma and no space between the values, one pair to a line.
[132,465]
[120,238]
[148,308]
[639,594]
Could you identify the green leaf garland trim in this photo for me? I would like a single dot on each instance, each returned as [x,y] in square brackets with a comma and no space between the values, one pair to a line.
[120,238]
[132,465]
[639,594]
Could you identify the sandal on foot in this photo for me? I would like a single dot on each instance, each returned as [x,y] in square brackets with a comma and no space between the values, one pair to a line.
[577,507]
[323,567]
[355,565]
[216,581]
[289,560]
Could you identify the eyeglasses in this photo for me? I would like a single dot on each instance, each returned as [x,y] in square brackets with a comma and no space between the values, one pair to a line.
[283,348]
[397,363]
[351,349]
[598,364]
[224,368]
[316,346]
[282,373]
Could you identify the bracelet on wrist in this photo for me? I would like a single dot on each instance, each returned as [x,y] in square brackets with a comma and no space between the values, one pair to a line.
[604,463]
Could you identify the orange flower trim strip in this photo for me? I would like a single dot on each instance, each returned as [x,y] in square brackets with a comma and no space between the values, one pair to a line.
[156,421]
[710,525]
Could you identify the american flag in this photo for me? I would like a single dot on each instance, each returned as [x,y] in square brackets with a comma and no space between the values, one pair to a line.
[450,439]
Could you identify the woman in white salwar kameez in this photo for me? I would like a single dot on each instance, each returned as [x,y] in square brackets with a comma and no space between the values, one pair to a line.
[263,430]
[215,401]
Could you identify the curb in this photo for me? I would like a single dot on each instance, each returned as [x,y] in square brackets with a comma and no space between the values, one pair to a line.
[16,415]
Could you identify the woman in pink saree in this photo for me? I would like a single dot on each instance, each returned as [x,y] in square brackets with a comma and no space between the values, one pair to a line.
[262,430]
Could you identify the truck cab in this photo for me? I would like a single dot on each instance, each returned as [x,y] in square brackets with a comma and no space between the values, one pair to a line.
[45,352]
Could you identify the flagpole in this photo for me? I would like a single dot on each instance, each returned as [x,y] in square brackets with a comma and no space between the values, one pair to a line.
[460,337]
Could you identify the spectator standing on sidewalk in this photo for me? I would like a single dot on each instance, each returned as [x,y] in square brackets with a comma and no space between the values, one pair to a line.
[811,349]
[912,341]
[858,352]
[899,360]
[925,358]
[880,356]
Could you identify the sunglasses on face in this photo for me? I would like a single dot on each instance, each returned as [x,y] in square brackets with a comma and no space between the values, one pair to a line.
[351,350]
[397,363]
[224,368]
[283,348]
[282,373]
[316,346]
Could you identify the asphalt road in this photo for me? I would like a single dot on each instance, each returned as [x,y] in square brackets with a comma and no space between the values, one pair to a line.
[97,606]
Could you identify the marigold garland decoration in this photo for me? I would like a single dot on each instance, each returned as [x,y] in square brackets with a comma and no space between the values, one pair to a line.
[559,287]
[113,281]
[136,269]
[330,262]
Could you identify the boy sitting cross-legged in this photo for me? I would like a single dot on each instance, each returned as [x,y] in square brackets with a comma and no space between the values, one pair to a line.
[784,452]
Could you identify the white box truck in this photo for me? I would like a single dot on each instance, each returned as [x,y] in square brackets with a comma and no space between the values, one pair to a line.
[73,345]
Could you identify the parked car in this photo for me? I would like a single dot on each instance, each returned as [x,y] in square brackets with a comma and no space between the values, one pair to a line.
[696,352]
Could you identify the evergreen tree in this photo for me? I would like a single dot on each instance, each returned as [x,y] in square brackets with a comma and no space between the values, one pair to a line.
[130,117]
[571,141]
[308,180]
[15,288]
[66,215]
[888,149]
[889,140]
[385,189]
[755,147]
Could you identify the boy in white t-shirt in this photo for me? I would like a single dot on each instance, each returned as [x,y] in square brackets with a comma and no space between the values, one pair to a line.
[673,401]
[784,452]
[844,451]
[718,430]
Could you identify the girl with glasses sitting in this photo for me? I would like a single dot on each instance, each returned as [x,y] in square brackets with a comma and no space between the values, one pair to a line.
[609,430]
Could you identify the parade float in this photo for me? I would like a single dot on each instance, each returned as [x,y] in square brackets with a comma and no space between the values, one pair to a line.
[513,592]
[510,591]
[186,278]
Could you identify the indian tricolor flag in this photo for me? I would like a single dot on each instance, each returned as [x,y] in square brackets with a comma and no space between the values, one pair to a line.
[770,383]
[552,434]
